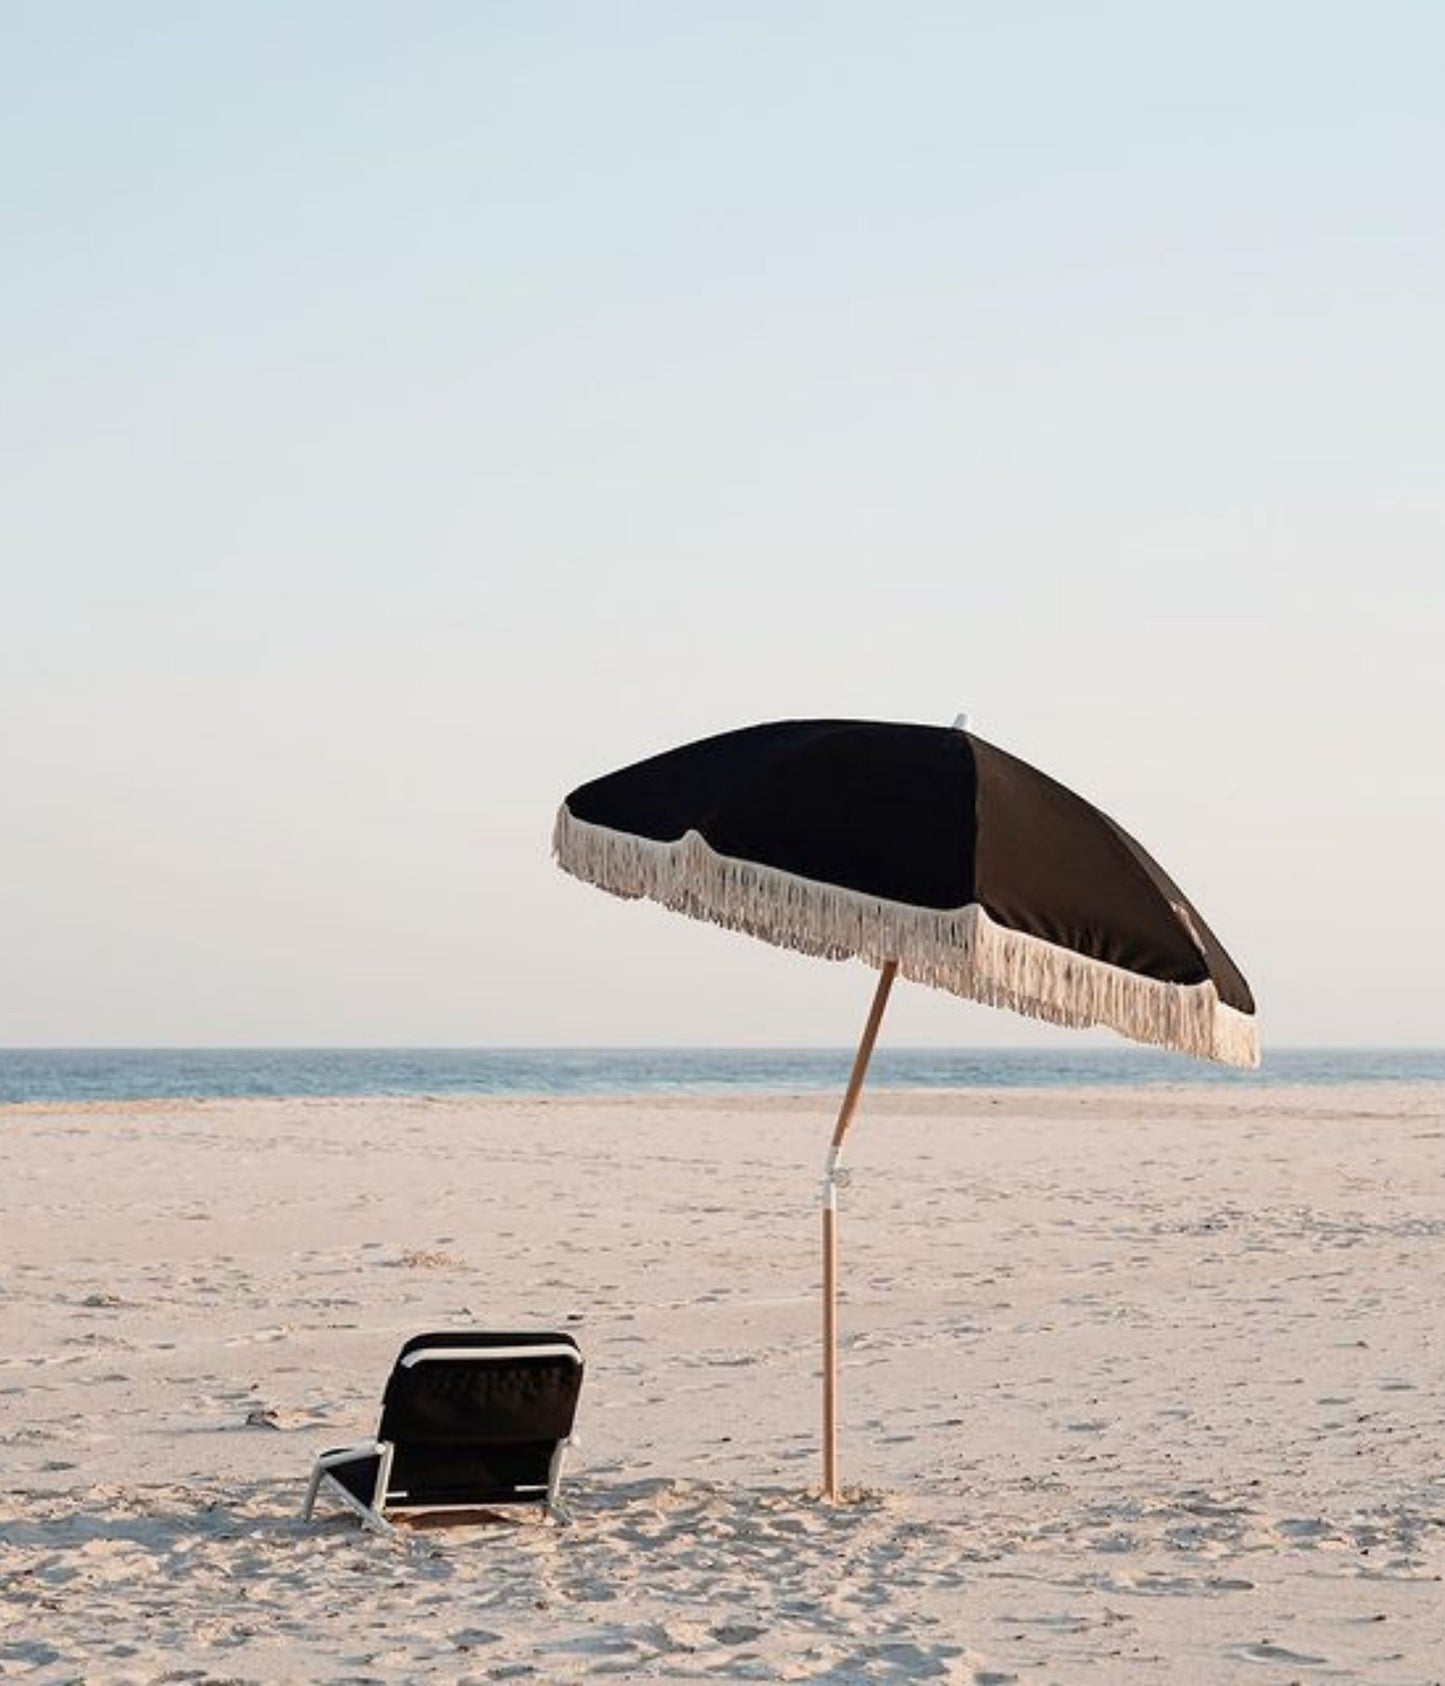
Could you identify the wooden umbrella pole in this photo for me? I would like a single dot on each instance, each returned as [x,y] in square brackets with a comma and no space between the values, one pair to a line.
[830,1231]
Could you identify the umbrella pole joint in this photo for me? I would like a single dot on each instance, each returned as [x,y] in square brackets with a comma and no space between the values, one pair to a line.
[835,1175]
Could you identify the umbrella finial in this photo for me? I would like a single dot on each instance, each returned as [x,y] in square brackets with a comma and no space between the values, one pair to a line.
[960,723]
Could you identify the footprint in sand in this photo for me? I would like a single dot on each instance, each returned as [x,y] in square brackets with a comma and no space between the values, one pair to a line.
[1304,1530]
[475,1638]
[736,1633]
[260,1336]
[1265,1652]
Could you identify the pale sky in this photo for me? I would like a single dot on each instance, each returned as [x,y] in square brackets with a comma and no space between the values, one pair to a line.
[413,410]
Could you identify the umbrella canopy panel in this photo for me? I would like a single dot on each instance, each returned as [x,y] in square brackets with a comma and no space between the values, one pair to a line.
[925,846]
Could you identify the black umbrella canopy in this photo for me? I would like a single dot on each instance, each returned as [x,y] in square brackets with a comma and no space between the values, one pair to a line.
[923,846]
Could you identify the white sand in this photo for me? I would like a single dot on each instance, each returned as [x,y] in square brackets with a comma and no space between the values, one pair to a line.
[1138,1387]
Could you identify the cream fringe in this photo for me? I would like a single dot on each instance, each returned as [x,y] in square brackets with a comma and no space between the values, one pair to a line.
[960,950]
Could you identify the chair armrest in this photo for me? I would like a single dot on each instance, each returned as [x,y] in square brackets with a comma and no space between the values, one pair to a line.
[347,1454]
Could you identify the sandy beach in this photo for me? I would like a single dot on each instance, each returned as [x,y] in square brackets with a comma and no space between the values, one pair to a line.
[1138,1387]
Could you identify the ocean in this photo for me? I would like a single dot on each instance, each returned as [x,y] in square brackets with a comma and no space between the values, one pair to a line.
[61,1075]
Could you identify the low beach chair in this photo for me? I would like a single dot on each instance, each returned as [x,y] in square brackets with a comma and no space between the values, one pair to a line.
[469,1421]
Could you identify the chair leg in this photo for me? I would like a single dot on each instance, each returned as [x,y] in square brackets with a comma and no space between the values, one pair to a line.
[554,1506]
[312,1489]
[386,1451]
[378,1524]
[371,1515]
[369,1518]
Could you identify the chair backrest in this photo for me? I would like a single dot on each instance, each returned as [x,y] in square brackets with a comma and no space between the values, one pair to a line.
[475,1417]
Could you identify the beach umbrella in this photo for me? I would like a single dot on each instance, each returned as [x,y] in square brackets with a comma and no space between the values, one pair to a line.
[927,853]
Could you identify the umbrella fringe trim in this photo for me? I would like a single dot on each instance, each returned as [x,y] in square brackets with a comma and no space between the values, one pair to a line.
[960,950]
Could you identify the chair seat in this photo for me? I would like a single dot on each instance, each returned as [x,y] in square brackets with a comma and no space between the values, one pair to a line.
[357,1475]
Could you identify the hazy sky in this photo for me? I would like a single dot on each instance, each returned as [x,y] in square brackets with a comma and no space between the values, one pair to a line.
[412,410]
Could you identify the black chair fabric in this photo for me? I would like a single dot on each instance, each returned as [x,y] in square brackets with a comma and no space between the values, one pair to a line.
[478,1432]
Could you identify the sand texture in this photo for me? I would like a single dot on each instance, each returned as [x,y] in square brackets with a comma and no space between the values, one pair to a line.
[1139,1387]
